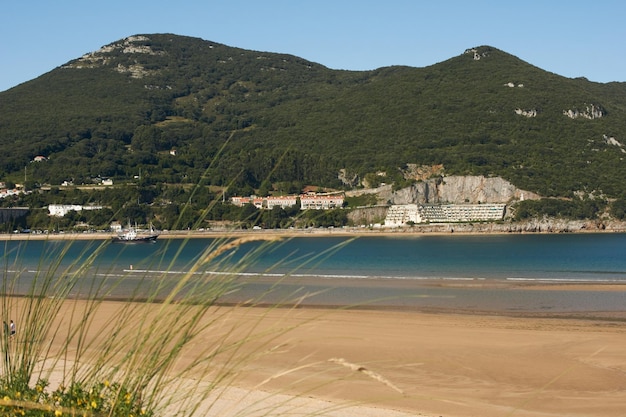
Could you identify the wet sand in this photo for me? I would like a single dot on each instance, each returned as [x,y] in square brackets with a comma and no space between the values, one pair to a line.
[395,363]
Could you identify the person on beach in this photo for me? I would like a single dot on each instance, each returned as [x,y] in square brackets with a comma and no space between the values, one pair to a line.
[12,325]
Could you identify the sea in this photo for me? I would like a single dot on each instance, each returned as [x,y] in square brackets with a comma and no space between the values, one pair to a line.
[525,273]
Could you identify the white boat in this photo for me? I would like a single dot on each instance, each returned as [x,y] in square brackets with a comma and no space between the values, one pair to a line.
[134,235]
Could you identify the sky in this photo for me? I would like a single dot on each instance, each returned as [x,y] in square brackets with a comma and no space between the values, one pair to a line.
[571,38]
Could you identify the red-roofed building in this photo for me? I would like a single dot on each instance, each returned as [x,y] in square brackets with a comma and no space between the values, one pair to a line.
[321,201]
[241,201]
[281,201]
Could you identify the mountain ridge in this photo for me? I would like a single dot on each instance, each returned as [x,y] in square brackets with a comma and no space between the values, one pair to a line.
[279,118]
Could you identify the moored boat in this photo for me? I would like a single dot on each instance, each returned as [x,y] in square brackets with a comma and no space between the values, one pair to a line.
[134,235]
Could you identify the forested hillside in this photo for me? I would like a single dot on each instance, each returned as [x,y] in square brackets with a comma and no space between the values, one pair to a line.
[180,110]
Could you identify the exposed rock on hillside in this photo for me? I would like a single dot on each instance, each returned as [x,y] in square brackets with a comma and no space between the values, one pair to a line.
[591,112]
[613,142]
[368,215]
[459,190]
[348,178]
[422,172]
[526,113]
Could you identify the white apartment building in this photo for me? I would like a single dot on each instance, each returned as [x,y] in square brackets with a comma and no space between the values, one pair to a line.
[281,201]
[399,215]
[320,201]
[307,201]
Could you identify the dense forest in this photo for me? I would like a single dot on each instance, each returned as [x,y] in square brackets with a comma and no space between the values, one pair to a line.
[173,119]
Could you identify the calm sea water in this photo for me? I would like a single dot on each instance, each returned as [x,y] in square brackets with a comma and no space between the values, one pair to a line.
[402,271]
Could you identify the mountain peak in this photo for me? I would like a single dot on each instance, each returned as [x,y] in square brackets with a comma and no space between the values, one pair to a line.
[132,45]
[479,52]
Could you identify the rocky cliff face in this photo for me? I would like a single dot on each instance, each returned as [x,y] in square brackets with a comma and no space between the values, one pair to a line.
[459,190]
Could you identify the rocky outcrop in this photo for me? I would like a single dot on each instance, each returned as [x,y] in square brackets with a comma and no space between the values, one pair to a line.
[350,179]
[537,226]
[477,54]
[367,216]
[526,113]
[610,140]
[591,112]
[129,45]
[459,190]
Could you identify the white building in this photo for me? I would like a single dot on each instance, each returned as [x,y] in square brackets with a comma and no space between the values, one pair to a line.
[462,212]
[258,202]
[60,210]
[241,201]
[281,201]
[399,215]
[310,201]
[321,201]
[8,193]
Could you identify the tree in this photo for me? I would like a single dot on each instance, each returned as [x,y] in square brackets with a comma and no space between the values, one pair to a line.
[273,219]
[618,209]
[146,138]
[249,216]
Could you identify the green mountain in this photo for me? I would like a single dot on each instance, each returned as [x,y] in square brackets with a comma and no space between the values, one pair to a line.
[260,117]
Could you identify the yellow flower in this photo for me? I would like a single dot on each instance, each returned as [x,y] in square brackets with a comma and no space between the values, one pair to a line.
[58,413]
[94,404]
[6,398]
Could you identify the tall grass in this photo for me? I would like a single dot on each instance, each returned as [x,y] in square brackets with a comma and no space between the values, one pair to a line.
[169,348]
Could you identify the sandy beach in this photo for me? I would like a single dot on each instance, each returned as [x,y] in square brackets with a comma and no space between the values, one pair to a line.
[395,363]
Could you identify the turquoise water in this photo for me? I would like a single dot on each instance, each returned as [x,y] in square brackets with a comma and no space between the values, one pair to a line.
[415,271]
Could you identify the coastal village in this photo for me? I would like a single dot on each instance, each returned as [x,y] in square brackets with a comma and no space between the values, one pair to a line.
[398,215]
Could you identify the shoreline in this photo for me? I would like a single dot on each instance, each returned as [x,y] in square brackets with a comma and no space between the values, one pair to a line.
[410,289]
[447,229]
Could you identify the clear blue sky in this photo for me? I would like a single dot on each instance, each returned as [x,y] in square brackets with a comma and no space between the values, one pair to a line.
[571,38]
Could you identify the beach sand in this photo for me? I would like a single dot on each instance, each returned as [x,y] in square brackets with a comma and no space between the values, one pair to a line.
[406,363]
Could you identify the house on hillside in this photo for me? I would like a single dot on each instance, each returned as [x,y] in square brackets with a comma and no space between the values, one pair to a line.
[321,201]
[281,201]
[241,201]
[310,201]
[60,210]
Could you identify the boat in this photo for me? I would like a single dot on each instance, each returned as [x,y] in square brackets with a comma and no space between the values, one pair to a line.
[134,235]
